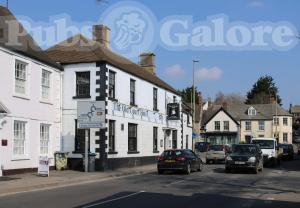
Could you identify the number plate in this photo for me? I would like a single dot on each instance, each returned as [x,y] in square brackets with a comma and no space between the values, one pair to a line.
[240,163]
[169,161]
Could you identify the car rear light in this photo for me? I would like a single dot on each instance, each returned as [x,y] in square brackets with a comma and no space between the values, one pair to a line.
[180,158]
[160,158]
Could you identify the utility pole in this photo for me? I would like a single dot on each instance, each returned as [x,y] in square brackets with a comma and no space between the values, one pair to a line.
[7,4]
[194,100]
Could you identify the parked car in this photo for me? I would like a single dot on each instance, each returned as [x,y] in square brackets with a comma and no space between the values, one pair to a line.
[288,151]
[216,153]
[244,156]
[270,150]
[182,160]
[201,147]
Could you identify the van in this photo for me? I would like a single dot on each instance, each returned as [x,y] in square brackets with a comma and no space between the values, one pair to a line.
[269,148]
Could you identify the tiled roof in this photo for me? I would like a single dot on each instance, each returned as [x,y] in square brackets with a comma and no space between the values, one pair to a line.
[295,109]
[79,49]
[28,47]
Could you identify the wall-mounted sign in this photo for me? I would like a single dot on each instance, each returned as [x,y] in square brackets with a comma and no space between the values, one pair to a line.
[173,111]
[91,114]
[4,142]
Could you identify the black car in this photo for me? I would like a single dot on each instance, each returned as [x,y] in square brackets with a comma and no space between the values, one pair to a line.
[288,151]
[244,156]
[182,160]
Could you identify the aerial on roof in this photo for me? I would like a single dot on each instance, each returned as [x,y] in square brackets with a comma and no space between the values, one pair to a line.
[25,44]
[79,49]
[240,112]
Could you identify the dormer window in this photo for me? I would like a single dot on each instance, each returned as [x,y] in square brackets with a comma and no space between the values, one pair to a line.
[251,111]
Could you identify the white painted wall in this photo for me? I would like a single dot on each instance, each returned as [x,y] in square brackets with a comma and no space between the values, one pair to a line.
[221,116]
[30,108]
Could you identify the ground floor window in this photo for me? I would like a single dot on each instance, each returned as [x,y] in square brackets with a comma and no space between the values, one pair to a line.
[285,137]
[132,137]
[187,141]
[248,139]
[155,138]
[174,139]
[19,138]
[80,139]
[112,130]
[44,138]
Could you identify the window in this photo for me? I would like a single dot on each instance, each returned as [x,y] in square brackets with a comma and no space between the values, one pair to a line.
[261,125]
[217,126]
[285,121]
[132,137]
[46,84]
[112,85]
[132,92]
[112,130]
[187,142]
[154,98]
[174,139]
[248,125]
[80,139]
[83,84]
[44,139]
[226,125]
[19,138]
[20,77]
[276,121]
[285,137]
[155,139]
[251,111]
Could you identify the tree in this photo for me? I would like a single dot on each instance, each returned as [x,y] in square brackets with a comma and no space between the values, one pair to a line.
[231,98]
[263,91]
[187,95]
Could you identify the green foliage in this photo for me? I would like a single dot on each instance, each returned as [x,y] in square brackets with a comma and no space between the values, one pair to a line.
[187,94]
[262,91]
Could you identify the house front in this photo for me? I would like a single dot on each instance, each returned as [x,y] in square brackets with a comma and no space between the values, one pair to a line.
[143,113]
[30,101]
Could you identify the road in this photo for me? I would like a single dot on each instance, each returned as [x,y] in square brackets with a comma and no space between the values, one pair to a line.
[275,187]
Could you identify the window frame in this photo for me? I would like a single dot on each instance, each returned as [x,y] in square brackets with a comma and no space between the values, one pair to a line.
[276,121]
[219,125]
[112,85]
[261,126]
[155,99]
[285,140]
[227,122]
[249,126]
[134,138]
[25,79]
[111,136]
[132,92]
[48,126]
[285,123]
[155,139]
[78,133]
[45,86]
[23,155]
[77,94]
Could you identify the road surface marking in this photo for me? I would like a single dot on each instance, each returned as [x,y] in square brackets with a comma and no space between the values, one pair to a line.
[112,200]
[173,183]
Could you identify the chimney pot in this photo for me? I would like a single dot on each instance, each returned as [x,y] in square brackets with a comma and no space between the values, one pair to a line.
[101,34]
[147,61]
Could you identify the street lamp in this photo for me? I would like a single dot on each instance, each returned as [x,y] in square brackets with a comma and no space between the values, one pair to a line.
[194,96]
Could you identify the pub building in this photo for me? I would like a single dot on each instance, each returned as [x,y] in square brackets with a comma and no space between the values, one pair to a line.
[144,115]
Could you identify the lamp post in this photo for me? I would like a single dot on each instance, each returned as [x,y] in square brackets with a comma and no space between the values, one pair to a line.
[194,98]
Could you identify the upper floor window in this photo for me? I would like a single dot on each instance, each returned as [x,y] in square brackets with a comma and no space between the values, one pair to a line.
[46,84]
[285,121]
[248,126]
[20,77]
[217,126]
[251,111]
[226,125]
[276,121]
[83,84]
[112,84]
[261,125]
[155,99]
[132,92]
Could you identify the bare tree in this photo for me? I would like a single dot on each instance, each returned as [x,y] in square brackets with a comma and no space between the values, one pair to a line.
[231,98]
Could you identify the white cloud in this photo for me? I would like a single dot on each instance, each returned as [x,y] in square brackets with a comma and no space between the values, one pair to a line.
[174,71]
[214,73]
[256,3]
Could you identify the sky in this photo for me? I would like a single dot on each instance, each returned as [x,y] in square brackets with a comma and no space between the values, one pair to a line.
[218,70]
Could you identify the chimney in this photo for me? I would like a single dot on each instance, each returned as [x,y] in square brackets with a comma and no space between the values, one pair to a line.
[147,61]
[199,99]
[210,104]
[272,100]
[101,34]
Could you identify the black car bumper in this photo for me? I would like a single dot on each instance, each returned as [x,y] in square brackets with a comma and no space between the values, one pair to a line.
[171,166]
[245,165]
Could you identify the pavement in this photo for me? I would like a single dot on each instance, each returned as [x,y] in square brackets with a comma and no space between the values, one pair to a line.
[32,182]
[273,188]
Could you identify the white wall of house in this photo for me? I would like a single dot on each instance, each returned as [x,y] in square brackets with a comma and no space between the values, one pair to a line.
[29,108]
[187,131]
[221,116]
[144,101]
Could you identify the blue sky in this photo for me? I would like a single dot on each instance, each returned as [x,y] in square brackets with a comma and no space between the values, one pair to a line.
[236,71]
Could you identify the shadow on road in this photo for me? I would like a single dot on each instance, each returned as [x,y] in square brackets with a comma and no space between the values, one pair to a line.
[150,200]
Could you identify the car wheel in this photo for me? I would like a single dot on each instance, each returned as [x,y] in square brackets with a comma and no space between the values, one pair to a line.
[200,167]
[160,171]
[188,169]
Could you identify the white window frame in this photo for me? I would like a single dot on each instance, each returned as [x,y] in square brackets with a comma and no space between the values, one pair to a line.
[287,137]
[251,111]
[287,121]
[276,121]
[248,129]
[49,98]
[48,141]
[219,126]
[228,125]
[24,95]
[25,145]
[261,127]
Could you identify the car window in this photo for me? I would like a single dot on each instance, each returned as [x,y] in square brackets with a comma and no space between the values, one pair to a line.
[264,144]
[216,148]
[244,149]
[172,153]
